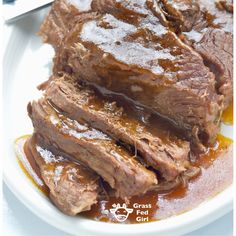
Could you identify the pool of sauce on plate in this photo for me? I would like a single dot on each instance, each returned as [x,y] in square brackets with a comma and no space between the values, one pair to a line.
[228,115]
[216,175]
[28,165]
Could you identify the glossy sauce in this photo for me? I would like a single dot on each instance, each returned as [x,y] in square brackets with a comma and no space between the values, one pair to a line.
[228,115]
[28,164]
[216,175]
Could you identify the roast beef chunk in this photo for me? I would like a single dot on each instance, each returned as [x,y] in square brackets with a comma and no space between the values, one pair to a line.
[216,47]
[148,64]
[160,148]
[211,36]
[198,17]
[92,148]
[73,188]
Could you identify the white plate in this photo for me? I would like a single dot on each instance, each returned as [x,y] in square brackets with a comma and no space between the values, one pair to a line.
[27,63]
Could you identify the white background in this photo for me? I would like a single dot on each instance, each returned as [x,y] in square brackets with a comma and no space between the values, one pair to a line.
[19,221]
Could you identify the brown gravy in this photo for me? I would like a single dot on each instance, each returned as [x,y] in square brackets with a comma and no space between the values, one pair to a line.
[228,115]
[28,165]
[216,175]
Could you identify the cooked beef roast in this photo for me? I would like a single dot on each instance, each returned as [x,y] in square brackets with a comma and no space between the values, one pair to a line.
[147,65]
[180,15]
[94,149]
[73,188]
[210,35]
[216,46]
[209,22]
[137,87]
[160,149]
